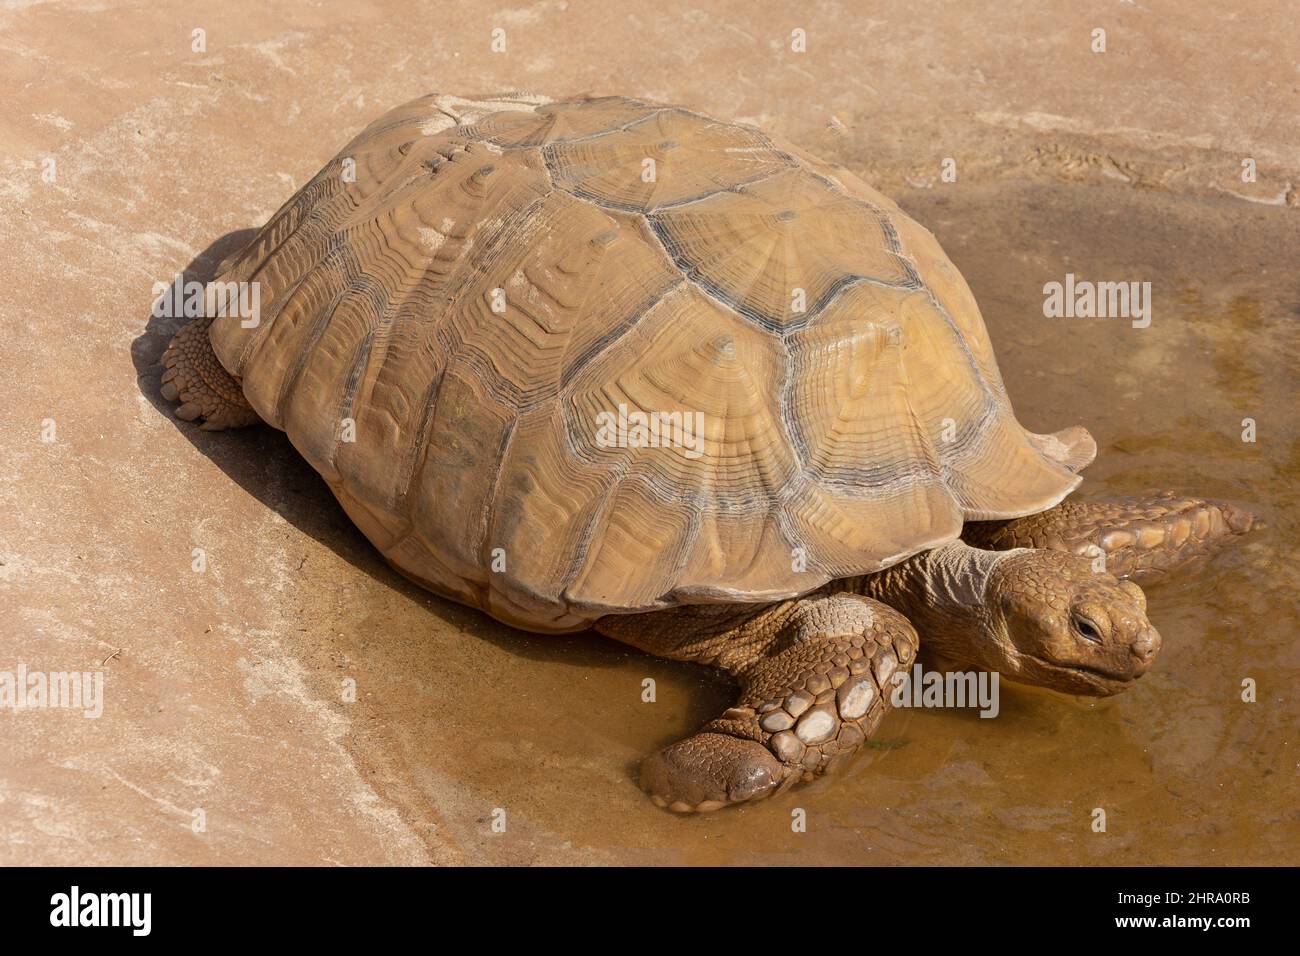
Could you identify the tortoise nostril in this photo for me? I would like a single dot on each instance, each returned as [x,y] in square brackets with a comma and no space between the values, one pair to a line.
[1145,647]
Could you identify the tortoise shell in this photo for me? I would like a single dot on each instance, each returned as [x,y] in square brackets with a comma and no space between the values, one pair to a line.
[564,359]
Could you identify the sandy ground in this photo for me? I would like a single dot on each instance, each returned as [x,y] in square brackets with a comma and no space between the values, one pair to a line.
[129,156]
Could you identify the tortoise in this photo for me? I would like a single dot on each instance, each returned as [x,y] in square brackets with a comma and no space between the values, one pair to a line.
[604,363]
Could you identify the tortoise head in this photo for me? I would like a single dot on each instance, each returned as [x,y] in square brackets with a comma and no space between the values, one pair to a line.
[1056,622]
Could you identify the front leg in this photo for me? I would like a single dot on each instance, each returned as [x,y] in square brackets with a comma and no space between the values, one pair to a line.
[815,680]
[1143,538]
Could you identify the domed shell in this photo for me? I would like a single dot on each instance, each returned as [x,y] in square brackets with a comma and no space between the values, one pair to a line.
[565,359]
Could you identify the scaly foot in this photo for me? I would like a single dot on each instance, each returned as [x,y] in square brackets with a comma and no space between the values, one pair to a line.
[1143,538]
[194,377]
[817,689]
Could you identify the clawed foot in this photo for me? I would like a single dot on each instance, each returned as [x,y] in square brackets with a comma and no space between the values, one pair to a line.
[194,377]
[815,696]
[709,771]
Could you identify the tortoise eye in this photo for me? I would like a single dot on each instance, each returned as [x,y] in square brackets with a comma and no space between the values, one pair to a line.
[1087,630]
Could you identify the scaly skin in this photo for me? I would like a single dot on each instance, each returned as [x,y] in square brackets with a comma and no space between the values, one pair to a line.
[1143,537]
[815,672]
[201,384]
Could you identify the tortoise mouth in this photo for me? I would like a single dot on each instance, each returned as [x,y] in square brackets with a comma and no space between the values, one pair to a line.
[1095,680]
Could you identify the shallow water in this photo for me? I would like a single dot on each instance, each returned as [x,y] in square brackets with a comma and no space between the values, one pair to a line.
[459,715]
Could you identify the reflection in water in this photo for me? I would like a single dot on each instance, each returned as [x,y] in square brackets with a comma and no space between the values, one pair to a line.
[463,715]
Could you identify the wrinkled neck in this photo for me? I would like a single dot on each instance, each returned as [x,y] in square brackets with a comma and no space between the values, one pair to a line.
[956,576]
[944,592]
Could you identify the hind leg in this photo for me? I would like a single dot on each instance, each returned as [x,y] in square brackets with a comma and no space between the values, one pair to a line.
[1142,537]
[194,377]
[815,677]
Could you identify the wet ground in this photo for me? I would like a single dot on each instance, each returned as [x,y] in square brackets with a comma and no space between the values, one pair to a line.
[225,691]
